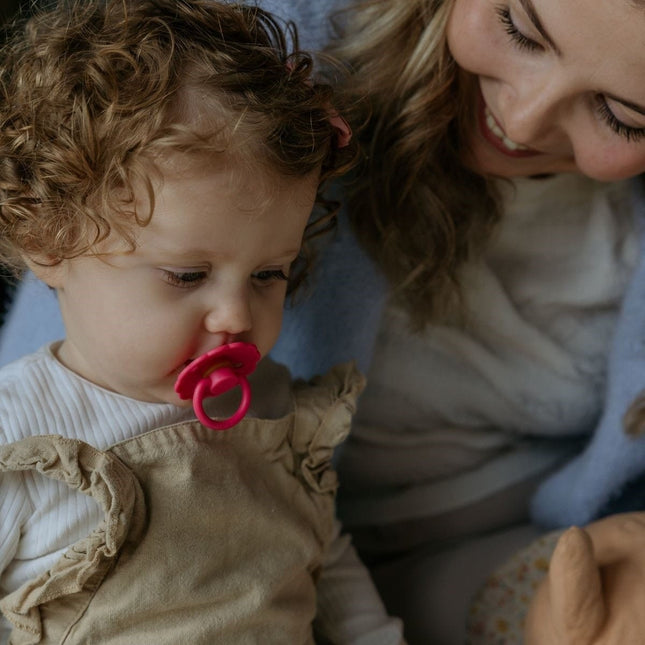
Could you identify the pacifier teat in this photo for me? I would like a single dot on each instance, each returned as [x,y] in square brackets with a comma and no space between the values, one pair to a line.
[217,372]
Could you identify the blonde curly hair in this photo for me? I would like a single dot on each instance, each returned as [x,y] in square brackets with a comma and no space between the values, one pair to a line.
[91,91]
[415,207]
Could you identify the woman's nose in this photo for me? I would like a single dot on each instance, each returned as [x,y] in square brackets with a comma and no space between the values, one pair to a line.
[528,113]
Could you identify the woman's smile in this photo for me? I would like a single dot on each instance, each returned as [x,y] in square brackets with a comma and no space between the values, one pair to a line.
[495,135]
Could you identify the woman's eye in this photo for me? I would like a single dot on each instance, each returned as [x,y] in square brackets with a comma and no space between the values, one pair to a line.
[626,131]
[269,275]
[518,38]
[184,279]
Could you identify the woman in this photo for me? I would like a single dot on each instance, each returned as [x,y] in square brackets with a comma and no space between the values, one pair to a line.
[498,150]
[495,239]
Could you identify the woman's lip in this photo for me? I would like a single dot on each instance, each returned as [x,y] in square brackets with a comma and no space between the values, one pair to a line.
[494,134]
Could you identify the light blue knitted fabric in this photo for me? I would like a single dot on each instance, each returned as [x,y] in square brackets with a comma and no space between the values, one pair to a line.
[32,321]
[588,485]
[340,318]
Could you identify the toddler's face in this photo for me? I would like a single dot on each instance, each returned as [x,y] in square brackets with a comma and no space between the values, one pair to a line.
[210,268]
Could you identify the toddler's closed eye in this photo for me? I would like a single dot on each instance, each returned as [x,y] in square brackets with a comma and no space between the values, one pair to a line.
[184,279]
[269,275]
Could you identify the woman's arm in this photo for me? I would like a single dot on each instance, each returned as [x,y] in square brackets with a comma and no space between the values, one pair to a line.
[311,18]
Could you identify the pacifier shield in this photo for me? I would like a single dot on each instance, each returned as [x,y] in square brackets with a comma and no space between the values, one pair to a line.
[216,372]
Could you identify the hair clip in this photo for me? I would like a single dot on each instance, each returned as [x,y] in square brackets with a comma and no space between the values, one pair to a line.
[343,131]
[338,122]
[214,373]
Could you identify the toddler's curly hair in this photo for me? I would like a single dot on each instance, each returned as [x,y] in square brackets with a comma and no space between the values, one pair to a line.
[92,91]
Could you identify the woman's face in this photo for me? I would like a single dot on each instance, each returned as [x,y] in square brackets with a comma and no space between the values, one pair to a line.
[561,85]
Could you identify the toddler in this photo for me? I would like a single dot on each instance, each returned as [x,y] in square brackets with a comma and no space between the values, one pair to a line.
[160,162]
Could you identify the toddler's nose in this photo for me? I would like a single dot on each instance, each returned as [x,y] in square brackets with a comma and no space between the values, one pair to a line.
[230,316]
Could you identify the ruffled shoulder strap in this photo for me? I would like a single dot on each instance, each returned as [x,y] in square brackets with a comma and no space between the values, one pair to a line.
[324,407]
[95,473]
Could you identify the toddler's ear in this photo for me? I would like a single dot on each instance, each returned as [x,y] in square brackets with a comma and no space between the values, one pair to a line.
[51,273]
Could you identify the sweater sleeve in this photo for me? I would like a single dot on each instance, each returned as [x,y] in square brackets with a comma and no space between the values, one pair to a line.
[4,630]
[337,317]
[33,320]
[589,485]
[15,509]
[350,611]
[310,18]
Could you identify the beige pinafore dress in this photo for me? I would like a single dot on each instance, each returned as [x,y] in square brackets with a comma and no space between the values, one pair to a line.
[208,537]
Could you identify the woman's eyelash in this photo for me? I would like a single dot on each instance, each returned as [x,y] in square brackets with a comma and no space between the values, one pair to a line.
[626,131]
[617,126]
[184,279]
[518,38]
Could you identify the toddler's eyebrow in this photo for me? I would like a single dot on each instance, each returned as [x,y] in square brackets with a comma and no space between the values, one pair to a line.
[189,254]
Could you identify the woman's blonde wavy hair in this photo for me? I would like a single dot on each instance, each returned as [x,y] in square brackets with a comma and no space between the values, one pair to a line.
[414,205]
[92,90]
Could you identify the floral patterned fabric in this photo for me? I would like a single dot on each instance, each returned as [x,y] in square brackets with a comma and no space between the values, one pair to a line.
[498,611]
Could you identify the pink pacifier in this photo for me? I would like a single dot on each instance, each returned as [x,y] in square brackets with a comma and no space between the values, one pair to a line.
[214,373]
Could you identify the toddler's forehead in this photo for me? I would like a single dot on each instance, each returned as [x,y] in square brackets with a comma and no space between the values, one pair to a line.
[235,171]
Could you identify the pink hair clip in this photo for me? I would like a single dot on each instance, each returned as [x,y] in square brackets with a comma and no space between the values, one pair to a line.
[338,122]
[343,131]
[214,373]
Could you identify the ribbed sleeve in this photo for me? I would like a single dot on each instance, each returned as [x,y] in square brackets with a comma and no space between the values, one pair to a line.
[42,517]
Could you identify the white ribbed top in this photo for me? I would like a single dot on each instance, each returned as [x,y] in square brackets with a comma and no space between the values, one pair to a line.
[42,517]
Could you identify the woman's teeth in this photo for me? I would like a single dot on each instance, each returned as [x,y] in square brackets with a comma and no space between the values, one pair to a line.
[499,133]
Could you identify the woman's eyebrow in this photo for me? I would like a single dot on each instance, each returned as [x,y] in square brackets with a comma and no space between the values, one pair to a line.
[529,8]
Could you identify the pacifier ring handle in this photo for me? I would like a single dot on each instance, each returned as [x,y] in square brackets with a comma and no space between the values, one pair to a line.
[202,391]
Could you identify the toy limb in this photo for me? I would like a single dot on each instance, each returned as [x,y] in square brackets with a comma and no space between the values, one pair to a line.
[595,589]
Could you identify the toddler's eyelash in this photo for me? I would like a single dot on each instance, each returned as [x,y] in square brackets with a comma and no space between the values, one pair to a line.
[518,38]
[625,131]
[270,274]
[184,279]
